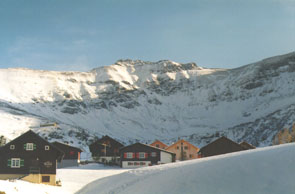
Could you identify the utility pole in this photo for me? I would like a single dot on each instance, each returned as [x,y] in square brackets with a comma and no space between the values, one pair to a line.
[181,151]
[105,148]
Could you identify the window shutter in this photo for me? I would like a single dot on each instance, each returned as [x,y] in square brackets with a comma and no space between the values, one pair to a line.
[125,155]
[25,146]
[9,162]
[137,155]
[34,146]
[145,155]
[22,162]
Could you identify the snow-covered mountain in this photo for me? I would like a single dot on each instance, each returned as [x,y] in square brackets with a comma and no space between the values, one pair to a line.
[142,101]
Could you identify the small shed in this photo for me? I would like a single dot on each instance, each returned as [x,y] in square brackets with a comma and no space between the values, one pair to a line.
[72,155]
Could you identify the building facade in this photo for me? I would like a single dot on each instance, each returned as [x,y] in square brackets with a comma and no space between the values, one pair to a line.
[140,155]
[29,157]
[106,150]
[184,150]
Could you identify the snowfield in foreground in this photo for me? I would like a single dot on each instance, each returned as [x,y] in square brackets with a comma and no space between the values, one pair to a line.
[268,170]
[72,180]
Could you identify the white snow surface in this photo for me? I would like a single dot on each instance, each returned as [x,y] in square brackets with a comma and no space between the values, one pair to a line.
[268,170]
[72,178]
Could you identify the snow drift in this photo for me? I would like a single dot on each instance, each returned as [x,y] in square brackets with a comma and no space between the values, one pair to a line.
[268,170]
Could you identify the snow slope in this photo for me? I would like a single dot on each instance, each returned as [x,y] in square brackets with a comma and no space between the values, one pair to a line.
[268,170]
[138,100]
[72,180]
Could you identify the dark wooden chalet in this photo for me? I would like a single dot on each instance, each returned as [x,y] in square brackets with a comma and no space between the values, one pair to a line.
[71,157]
[222,145]
[29,157]
[106,150]
[247,146]
[139,155]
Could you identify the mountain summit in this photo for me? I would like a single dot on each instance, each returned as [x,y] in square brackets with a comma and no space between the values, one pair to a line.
[136,100]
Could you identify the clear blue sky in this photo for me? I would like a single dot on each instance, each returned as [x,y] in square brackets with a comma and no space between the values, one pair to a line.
[84,34]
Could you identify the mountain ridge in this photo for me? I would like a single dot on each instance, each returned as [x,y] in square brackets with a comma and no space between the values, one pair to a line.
[134,100]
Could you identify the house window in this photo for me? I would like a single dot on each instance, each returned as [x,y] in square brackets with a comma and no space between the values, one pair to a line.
[15,162]
[29,146]
[190,156]
[129,155]
[142,163]
[47,147]
[141,155]
[177,147]
[186,147]
[136,163]
[157,145]
[153,154]
[72,152]
[12,147]
[130,163]
[46,179]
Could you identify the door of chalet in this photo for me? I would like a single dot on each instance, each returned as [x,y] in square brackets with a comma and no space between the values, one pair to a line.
[35,166]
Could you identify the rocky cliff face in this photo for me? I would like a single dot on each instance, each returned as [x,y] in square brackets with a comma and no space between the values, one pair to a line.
[137,100]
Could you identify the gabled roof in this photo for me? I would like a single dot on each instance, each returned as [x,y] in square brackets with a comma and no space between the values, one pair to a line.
[61,145]
[31,133]
[246,145]
[182,140]
[153,147]
[220,140]
[106,138]
[159,142]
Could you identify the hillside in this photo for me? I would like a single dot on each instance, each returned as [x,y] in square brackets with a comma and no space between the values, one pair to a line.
[137,100]
[265,171]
